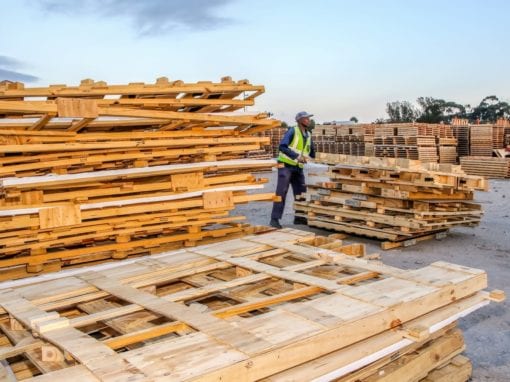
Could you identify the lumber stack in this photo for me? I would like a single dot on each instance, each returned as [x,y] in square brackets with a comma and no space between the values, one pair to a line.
[425,142]
[280,306]
[481,140]
[499,130]
[275,136]
[97,172]
[461,133]
[341,139]
[397,200]
[485,166]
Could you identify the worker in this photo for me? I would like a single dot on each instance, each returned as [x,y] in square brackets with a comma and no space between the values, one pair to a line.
[295,149]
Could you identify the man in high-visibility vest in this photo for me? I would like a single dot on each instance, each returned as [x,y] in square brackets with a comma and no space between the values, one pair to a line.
[295,149]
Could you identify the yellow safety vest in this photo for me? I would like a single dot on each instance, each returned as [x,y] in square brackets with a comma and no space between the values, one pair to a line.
[299,146]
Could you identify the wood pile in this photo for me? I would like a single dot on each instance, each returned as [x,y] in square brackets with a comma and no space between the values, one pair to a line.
[275,136]
[280,306]
[397,200]
[97,171]
[498,133]
[487,167]
[480,140]
[447,150]
[461,133]
[416,141]
[341,139]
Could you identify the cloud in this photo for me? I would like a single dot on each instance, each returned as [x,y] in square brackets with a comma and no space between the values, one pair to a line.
[9,70]
[150,17]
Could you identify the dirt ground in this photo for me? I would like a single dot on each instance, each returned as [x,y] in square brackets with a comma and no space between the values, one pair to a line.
[486,331]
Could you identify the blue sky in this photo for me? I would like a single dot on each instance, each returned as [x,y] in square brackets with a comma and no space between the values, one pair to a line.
[336,59]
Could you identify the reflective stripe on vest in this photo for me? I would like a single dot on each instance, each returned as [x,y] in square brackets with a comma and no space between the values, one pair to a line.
[298,146]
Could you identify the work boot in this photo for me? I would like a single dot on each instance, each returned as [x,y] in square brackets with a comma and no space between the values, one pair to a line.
[300,220]
[275,223]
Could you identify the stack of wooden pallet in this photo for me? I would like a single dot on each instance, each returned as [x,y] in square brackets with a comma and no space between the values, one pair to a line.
[447,148]
[480,140]
[485,166]
[80,184]
[341,139]
[397,200]
[280,306]
[461,133]
[425,142]
[498,133]
[275,136]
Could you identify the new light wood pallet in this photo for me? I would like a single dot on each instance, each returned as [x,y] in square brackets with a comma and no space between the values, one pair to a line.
[390,201]
[109,171]
[56,220]
[29,153]
[248,309]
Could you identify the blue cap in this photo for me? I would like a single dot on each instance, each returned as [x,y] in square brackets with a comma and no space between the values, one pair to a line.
[302,114]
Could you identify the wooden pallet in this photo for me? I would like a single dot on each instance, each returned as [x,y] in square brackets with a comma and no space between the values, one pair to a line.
[84,217]
[387,200]
[97,172]
[245,309]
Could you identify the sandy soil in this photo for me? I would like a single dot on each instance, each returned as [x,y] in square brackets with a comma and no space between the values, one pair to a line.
[486,331]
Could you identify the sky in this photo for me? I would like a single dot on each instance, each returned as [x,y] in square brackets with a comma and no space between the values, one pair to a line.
[335,59]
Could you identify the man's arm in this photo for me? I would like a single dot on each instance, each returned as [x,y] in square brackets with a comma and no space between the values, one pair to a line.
[284,144]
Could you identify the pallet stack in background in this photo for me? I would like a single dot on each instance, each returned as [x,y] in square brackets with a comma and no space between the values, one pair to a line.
[400,201]
[460,129]
[340,139]
[481,143]
[275,135]
[97,171]
[280,306]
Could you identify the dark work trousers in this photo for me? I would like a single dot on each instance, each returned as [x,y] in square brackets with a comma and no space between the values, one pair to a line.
[288,175]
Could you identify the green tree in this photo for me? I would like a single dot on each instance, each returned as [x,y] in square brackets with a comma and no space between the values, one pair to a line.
[490,110]
[354,119]
[438,110]
[401,111]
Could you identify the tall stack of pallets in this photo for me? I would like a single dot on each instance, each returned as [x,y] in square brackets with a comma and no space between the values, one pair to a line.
[481,140]
[460,129]
[400,201]
[280,306]
[342,139]
[97,171]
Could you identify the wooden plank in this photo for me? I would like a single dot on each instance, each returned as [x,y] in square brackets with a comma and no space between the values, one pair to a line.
[206,323]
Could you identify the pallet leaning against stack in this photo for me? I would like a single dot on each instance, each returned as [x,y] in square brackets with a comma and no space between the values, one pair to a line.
[398,200]
[93,187]
[284,305]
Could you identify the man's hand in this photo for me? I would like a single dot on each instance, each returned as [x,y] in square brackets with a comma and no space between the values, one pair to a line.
[301,159]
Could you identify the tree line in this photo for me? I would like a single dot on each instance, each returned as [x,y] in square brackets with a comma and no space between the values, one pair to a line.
[433,110]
